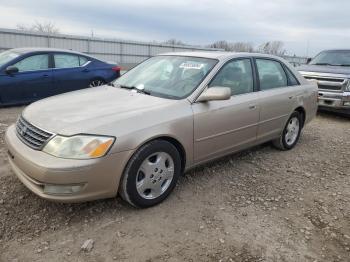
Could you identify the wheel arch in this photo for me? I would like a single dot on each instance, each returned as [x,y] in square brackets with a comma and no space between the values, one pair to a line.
[301,110]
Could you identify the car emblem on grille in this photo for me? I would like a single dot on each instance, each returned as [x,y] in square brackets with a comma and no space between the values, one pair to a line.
[23,130]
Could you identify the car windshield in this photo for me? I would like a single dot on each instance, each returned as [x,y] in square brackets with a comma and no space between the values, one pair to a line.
[7,56]
[173,77]
[333,58]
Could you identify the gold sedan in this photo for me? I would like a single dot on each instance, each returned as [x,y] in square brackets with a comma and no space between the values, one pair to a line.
[168,114]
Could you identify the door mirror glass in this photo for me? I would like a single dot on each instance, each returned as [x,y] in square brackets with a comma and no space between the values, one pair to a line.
[308,60]
[215,93]
[10,70]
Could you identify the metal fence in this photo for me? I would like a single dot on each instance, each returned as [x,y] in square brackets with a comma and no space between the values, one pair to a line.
[296,60]
[126,53]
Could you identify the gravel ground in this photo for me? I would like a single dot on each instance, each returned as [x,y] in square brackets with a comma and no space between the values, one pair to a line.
[258,205]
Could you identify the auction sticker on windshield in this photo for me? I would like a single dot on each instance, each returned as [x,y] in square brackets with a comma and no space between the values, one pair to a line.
[191,65]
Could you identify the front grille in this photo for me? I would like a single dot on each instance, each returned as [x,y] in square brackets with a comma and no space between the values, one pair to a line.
[329,83]
[31,135]
[327,87]
[338,80]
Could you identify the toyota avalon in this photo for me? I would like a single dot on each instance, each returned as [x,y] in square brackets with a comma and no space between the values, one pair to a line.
[168,114]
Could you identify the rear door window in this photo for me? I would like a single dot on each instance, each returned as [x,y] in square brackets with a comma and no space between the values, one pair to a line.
[271,74]
[33,63]
[66,61]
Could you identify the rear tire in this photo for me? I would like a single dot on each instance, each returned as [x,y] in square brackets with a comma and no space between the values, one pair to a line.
[291,133]
[97,82]
[151,174]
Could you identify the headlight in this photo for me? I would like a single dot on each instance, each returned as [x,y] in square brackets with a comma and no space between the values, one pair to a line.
[79,146]
[348,86]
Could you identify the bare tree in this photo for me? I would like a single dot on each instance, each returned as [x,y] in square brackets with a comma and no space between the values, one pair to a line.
[235,47]
[272,48]
[222,44]
[174,41]
[242,47]
[46,27]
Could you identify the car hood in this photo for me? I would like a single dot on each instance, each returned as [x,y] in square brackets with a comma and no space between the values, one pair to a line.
[92,110]
[325,69]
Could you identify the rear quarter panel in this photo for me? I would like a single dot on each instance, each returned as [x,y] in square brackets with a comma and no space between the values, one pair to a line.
[308,100]
[102,70]
[307,94]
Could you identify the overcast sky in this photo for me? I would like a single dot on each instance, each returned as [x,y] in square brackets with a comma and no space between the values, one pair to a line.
[318,24]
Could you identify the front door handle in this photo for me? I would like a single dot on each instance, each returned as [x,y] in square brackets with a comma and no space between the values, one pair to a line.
[252,107]
[290,97]
[45,75]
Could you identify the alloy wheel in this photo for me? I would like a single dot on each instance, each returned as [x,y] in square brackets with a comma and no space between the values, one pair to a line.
[95,83]
[292,131]
[155,175]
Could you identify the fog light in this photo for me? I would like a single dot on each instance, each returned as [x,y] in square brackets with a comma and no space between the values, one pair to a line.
[62,190]
[346,103]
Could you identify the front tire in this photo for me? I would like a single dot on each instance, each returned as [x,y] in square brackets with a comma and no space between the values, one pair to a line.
[291,132]
[151,174]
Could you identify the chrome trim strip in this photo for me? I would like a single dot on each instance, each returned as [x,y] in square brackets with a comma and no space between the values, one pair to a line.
[329,83]
[225,133]
[54,68]
[37,126]
[317,74]
[272,119]
[30,139]
[239,129]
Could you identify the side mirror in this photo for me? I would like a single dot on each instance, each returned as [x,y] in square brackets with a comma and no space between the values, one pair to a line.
[215,93]
[308,60]
[10,70]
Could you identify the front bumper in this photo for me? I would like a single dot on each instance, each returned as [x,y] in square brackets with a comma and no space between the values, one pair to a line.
[334,100]
[98,178]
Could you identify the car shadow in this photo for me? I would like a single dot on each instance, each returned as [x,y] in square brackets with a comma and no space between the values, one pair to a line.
[333,114]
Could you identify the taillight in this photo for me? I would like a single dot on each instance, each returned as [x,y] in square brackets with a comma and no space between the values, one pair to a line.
[116,68]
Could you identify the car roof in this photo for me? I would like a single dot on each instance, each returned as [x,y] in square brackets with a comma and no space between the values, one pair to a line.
[219,54]
[336,50]
[44,49]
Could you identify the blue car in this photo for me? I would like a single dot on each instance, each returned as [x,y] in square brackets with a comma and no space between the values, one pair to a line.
[30,74]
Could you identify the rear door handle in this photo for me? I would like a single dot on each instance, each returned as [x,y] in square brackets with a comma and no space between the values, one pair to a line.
[45,75]
[252,107]
[86,70]
[290,97]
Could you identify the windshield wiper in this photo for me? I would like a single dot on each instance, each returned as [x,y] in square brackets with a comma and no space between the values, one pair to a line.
[138,90]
